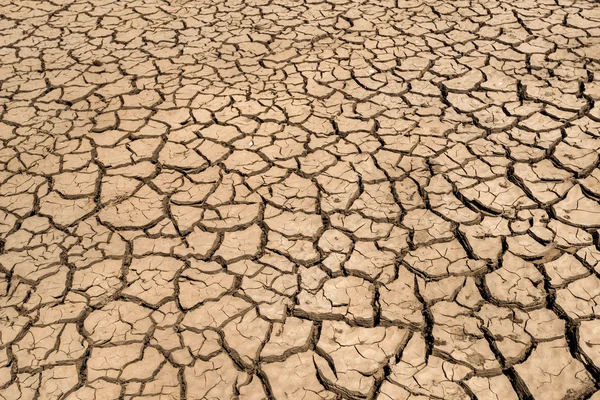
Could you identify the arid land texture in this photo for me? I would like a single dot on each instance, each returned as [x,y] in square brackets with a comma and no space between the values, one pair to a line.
[299,200]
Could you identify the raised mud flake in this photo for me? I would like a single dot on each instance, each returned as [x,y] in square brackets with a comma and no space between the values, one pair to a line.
[236,245]
[589,339]
[245,162]
[115,188]
[199,243]
[396,242]
[33,264]
[49,345]
[5,368]
[454,157]
[33,232]
[371,263]
[556,97]
[443,259]
[398,302]
[144,208]
[55,382]
[197,286]
[118,322]
[443,200]
[551,372]
[273,290]
[285,149]
[360,227]
[580,298]
[377,202]
[334,262]
[485,238]
[252,389]
[100,281]
[358,354]
[459,335]
[466,82]
[590,255]
[299,250]
[296,224]
[334,240]
[407,192]
[469,296]
[465,103]
[110,361]
[80,183]
[564,270]
[428,376]
[343,297]
[213,314]
[494,118]
[230,216]
[296,378]
[205,344]
[568,236]
[289,337]
[592,182]
[143,246]
[316,162]
[278,261]
[177,155]
[294,193]
[65,211]
[216,378]
[365,164]
[427,226]
[98,243]
[175,118]
[517,282]
[312,278]
[227,216]
[575,159]
[525,246]
[499,195]
[435,290]
[152,279]
[145,366]
[546,182]
[493,388]
[166,339]
[245,335]
[389,391]
[578,209]
[541,123]
[543,324]
[507,328]
[164,383]
[15,184]
[340,184]
[98,389]
[145,98]
[48,289]
[7,222]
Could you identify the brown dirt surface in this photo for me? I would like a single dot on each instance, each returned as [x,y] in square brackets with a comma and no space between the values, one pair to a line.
[299,199]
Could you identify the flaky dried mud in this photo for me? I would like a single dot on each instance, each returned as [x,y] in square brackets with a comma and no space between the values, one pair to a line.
[276,199]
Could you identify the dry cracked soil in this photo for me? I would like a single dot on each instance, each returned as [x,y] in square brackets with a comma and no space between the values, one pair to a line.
[299,199]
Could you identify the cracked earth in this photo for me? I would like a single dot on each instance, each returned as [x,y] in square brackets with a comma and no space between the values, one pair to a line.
[301,200]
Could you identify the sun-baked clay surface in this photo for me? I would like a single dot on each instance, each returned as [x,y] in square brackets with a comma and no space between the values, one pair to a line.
[299,200]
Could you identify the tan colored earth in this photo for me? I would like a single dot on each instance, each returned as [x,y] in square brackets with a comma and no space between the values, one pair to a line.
[299,199]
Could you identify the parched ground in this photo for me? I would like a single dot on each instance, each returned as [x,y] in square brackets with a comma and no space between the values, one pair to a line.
[299,200]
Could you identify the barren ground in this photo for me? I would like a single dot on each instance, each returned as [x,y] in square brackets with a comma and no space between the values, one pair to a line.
[299,200]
